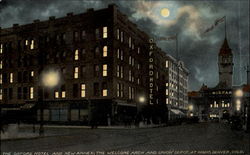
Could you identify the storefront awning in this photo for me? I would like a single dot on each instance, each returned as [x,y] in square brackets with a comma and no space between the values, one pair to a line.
[177,112]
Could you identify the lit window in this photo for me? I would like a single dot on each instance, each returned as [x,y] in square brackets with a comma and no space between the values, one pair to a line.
[118,53]
[1,64]
[105,32]
[166,84]
[118,71]
[121,36]
[130,60]
[138,81]
[118,34]
[211,105]
[104,70]
[105,51]
[76,72]
[1,79]
[31,92]
[76,54]
[121,68]
[228,104]
[166,91]
[138,50]
[166,64]
[56,94]
[1,48]
[222,104]
[11,77]
[32,73]
[104,89]
[1,94]
[118,90]
[166,100]
[63,94]
[83,90]
[32,45]
[138,66]
[26,42]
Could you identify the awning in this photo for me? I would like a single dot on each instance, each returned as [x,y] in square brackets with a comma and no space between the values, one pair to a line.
[177,112]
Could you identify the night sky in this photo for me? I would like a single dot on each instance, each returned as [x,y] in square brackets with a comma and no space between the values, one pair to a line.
[187,18]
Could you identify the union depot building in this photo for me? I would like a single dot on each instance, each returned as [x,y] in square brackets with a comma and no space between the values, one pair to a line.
[95,64]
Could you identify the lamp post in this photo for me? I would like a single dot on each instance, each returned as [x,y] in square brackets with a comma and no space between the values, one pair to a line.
[49,79]
[238,96]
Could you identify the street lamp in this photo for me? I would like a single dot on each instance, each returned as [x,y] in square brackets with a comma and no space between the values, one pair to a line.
[238,95]
[49,79]
[142,99]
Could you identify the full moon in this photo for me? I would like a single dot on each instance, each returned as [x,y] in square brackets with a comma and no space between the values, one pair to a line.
[165,12]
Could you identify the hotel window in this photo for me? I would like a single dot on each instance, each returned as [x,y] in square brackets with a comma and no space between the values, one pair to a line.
[130,60]
[32,73]
[10,93]
[228,104]
[83,53]
[1,78]
[133,61]
[31,92]
[122,90]
[157,75]
[133,93]
[96,51]
[138,50]
[83,71]
[83,90]
[222,104]
[76,72]
[83,34]
[105,51]
[166,64]
[1,94]
[75,90]
[166,91]
[19,93]
[11,78]
[97,33]
[76,54]
[105,32]
[121,54]
[138,66]
[138,81]
[118,71]
[76,36]
[1,48]
[63,91]
[166,100]
[26,42]
[129,42]
[166,84]
[133,46]
[104,89]
[105,70]
[117,34]
[96,70]
[118,53]
[96,89]
[122,36]
[129,93]
[121,68]
[32,45]
[129,75]
[118,90]
[56,94]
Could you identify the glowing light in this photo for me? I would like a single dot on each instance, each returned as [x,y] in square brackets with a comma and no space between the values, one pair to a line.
[191,107]
[142,99]
[51,78]
[239,93]
[165,12]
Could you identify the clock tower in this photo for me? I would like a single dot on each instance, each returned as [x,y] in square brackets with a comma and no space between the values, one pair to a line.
[225,64]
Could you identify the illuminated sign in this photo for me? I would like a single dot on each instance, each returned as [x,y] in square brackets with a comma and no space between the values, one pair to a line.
[151,71]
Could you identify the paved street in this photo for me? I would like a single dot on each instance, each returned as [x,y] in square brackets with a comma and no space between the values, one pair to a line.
[203,138]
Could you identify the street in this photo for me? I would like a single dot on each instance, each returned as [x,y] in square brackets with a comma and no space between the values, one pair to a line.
[206,138]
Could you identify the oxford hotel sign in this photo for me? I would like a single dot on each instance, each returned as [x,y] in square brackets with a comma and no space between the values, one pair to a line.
[151,71]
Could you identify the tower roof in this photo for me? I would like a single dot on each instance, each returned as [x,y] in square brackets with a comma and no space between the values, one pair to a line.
[225,49]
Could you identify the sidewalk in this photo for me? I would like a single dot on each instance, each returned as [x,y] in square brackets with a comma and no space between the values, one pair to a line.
[13,131]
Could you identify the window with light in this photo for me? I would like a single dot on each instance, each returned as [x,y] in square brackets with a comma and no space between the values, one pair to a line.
[76,72]
[56,95]
[11,78]
[105,32]
[31,92]
[76,54]
[83,90]
[105,51]
[105,70]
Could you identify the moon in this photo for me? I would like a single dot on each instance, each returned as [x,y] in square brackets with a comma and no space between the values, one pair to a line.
[165,12]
